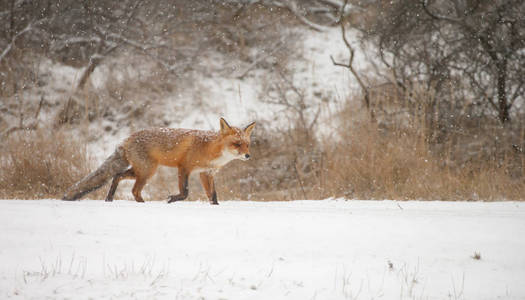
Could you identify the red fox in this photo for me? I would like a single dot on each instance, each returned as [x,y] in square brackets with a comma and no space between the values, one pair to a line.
[188,150]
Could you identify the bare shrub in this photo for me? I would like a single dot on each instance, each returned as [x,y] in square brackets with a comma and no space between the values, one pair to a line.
[397,159]
[445,44]
[40,164]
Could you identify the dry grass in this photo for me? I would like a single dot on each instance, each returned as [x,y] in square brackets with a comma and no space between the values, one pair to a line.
[372,164]
[369,164]
[398,159]
[361,161]
[40,164]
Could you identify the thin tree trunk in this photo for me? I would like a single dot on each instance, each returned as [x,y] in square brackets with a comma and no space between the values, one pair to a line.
[93,63]
[503,106]
[12,20]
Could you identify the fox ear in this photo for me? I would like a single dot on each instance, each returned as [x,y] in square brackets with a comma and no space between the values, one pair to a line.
[248,129]
[225,127]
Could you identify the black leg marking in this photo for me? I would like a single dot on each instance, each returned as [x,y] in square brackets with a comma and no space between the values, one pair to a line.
[183,188]
[214,198]
[128,174]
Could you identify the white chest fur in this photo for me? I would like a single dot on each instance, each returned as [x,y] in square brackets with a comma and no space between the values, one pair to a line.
[226,157]
[219,162]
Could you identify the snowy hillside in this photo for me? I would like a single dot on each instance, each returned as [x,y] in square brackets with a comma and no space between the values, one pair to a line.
[198,104]
[330,249]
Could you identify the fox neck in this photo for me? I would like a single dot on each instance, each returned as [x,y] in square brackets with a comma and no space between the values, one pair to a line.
[224,156]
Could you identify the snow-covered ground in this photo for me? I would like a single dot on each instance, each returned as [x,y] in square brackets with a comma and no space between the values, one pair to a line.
[331,249]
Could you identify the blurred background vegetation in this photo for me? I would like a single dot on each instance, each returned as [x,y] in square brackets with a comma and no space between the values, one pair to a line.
[437,114]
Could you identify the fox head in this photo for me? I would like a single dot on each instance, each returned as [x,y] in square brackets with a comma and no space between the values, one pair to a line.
[236,140]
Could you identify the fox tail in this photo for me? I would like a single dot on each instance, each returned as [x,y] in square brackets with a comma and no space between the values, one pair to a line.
[114,164]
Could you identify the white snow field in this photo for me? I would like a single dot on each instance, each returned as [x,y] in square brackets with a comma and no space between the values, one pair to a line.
[329,249]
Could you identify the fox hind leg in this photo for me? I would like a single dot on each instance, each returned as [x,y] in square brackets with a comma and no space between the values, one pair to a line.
[128,174]
[141,178]
[137,189]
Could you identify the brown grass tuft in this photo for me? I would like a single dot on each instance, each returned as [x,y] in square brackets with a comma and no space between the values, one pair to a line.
[40,164]
[370,163]
[476,256]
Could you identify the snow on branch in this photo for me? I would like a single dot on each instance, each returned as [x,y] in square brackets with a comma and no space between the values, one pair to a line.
[13,40]
[64,41]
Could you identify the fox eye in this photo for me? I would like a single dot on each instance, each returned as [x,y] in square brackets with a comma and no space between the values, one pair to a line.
[237,145]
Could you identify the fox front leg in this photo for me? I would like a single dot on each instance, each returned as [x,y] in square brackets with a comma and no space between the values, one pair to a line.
[183,187]
[209,186]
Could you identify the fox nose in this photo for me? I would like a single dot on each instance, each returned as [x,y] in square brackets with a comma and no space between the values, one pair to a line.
[247,155]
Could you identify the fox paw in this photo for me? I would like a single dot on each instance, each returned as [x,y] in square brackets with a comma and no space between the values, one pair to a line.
[173,198]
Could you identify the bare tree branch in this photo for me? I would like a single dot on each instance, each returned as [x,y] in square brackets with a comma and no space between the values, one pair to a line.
[9,46]
[349,65]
